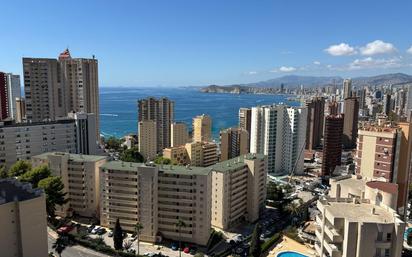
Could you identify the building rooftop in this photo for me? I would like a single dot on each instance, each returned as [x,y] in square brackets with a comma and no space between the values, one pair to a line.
[74,157]
[350,182]
[120,165]
[14,190]
[234,163]
[360,212]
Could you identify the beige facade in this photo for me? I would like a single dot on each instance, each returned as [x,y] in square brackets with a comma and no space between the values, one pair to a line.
[80,176]
[383,153]
[23,220]
[178,155]
[20,110]
[202,154]
[21,141]
[233,142]
[209,152]
[202,128]
[147,139]
[157,197]
[55,87]
[239,190]
[179,135]
[350,227]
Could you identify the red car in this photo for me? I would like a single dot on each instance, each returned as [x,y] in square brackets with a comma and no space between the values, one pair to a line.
[186,250]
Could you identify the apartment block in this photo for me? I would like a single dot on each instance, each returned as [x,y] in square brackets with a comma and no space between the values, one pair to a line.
[4,97]
[148,139]
[195,153]
[202,128]
[157,197]
[23,220]
[209,154]
[179,134]
[279,132]
[20,110]
[239,190]
[315,118]
[86,139]
[178,155]
[13,92]
[350,124]
[21,141]
[351,227]
[233,142]
[383,153]
[332,144]
[160,111]
[55,87]
[80,176]
[245,119]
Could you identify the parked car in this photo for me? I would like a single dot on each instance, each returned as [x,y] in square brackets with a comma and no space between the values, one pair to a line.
[186,250]
[193,250]
[95,229]
[150,254]
[110,233]
[90,228]
[101,231]
[174,246]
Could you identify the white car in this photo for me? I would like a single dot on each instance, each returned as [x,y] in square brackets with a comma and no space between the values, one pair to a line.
[95,229]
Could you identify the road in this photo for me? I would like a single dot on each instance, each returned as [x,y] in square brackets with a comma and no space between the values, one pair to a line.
[75,251]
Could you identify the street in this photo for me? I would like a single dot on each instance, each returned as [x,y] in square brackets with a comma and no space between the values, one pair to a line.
[75,251]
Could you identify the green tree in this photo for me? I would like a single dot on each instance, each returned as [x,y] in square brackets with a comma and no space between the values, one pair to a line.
[53,187]
[59,245]
[255,245]
[3,172]
[19,168]
[118,236]
[162,160]
[137,229]
[179,225]
[113,143]
[132,155]
[33,176]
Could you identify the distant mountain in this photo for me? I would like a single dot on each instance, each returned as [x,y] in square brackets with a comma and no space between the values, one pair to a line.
[293,81]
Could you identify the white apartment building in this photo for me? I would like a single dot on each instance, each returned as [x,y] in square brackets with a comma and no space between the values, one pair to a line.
[279,132]
[87,139]
[13,92]
[81,179]
[21,141]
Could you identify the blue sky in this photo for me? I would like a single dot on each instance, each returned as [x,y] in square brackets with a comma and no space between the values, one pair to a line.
[193,42]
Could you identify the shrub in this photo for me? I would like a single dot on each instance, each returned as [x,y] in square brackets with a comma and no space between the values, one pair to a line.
[266,245]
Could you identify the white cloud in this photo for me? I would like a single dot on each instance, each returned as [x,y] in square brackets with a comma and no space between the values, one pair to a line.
[316,62]
[377,47]
[252,72]
[409,50]
[287,69]
[340,50]
[369,63]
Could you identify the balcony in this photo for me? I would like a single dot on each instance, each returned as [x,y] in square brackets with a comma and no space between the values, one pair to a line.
[383,244]
[332,249]
[333,234]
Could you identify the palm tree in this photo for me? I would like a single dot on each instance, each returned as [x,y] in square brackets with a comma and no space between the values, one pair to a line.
[59,245]
[179,224]
[294,210]
[138,228]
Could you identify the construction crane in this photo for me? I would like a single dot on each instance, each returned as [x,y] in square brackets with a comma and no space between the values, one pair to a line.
[296,162]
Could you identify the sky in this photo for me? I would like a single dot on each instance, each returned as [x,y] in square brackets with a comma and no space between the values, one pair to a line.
[195,43]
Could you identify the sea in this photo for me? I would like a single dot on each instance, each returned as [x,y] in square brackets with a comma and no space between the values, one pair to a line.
[118,107]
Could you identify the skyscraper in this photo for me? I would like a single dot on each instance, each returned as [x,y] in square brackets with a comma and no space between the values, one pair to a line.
[387,104]
[245,118]
[20,110]
[13,92]
[55,87]
[4,99]
[202,128]
[279,132]
[314,132]
[160,111]
[350,124]
[347,88]
[332,144]
[333,107]
[233,143]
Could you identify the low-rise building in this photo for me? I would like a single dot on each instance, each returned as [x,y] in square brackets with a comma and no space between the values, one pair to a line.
[23,220]
[80,176]
[352,227]
[178,155]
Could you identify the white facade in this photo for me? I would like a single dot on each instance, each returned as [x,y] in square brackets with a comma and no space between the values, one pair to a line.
[279,132]
[13,92]
[24,140]
[87,139]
